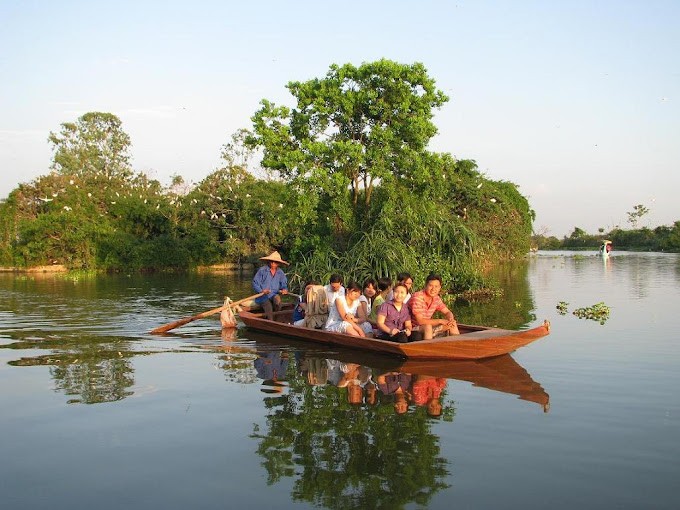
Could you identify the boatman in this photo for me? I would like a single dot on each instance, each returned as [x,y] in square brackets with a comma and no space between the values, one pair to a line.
[271,280]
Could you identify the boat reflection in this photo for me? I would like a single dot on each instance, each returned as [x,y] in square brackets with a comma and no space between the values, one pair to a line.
[502,374]
[361,370]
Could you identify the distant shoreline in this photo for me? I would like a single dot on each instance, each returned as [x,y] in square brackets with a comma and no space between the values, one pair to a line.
[56,268]
[227,267]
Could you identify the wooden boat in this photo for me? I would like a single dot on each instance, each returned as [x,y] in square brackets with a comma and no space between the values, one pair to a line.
[474,342]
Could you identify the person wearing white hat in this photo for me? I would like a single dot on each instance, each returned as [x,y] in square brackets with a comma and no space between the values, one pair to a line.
[271,280]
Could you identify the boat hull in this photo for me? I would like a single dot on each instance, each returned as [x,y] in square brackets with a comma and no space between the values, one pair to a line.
[474,342]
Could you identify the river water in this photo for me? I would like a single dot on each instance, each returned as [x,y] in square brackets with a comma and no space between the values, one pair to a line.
[97,413]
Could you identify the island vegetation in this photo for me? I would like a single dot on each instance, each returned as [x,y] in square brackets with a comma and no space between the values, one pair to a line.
[346,183]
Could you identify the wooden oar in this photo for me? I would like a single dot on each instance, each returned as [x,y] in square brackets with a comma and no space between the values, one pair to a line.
[187,320]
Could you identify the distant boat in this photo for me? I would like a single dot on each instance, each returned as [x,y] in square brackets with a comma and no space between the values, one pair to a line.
[605,248]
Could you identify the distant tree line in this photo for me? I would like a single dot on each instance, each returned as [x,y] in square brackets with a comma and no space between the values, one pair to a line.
[661,238]
[349,186]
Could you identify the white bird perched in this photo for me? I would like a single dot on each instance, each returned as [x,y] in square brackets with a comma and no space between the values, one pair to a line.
[67,208]
[479,185]
[45,199]
[493,200]
[70,182]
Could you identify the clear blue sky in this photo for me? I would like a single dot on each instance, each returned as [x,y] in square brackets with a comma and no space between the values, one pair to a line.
[577,102]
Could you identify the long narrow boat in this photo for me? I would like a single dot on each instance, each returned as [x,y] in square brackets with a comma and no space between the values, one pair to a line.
[474,342]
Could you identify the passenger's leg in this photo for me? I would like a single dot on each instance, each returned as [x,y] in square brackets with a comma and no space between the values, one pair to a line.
[348,328]
[453,330]
[426,330]
[416,335]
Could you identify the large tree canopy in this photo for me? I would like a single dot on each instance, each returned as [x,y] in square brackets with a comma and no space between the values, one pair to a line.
[353,128]
[93,145]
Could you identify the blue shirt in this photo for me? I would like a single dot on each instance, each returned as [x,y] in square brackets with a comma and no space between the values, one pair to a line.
[264,279]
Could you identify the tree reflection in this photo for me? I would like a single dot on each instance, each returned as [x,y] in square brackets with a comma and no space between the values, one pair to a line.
[513,309]
[89,371]
[349,455]
[95,379]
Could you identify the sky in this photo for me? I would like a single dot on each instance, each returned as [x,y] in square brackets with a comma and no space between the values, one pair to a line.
[577,102]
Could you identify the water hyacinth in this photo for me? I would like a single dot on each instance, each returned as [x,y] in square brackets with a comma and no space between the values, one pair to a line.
[598,312]
[562,307]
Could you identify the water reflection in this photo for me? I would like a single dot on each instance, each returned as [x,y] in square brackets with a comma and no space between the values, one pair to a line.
[271,367]
[92,372]
[342,444]
[350,434]
[513,309]
[346,429]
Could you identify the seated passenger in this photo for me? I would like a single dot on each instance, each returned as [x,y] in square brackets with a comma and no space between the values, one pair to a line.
[334,288]
[343,317]
[316,307]
[367,294]
[424,304]
[394,317]
[384,288]
[407,280]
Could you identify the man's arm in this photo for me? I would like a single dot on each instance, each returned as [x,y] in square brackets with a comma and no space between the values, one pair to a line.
[259,281]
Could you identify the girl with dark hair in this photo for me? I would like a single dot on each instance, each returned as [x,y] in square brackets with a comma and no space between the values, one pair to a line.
[343,316]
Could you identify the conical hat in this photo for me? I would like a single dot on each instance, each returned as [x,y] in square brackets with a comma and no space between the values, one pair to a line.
[274,257]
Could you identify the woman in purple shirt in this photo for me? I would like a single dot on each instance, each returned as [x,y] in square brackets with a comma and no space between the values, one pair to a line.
[394,317]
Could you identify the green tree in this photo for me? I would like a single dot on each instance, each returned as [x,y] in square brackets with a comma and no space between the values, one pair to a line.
[351,129]
[636,214]
[93,145]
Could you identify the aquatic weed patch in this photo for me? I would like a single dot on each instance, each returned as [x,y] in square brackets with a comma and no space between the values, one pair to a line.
[598,312]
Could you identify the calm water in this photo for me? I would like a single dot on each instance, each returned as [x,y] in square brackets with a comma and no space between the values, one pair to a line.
[97,413]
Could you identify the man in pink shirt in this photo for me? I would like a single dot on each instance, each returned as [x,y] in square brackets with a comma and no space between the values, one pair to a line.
[424,303]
